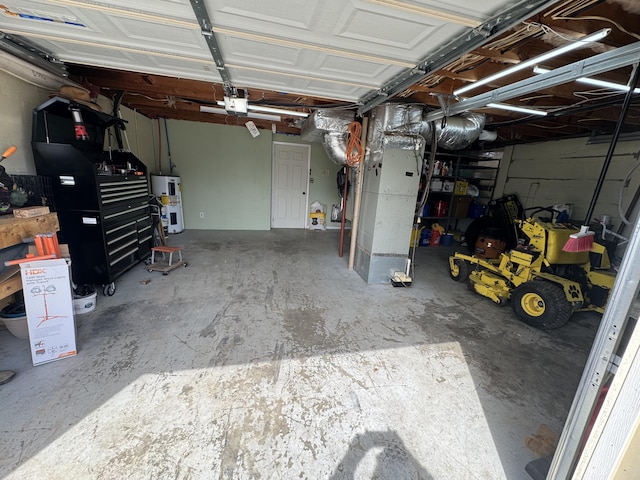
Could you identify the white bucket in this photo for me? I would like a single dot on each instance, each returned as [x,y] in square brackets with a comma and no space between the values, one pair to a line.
[17,326]
[84,304]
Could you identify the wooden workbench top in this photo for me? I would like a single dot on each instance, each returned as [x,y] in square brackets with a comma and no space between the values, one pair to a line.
[14,230]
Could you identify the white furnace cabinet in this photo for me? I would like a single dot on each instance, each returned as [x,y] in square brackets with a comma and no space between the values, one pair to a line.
[167,188]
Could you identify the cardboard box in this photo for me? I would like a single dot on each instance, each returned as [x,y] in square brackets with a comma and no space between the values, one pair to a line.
[448,186]
[28,212]
[460,206]
[48,300]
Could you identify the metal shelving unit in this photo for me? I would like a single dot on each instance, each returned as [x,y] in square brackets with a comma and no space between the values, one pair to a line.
[477,171]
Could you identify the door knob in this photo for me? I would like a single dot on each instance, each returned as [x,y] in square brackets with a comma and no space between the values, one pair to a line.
[304,193]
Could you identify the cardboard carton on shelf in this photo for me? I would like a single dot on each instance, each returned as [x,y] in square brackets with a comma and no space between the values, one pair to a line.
[460,206]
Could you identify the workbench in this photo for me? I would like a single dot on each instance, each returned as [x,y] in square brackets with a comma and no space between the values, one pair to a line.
[12,232]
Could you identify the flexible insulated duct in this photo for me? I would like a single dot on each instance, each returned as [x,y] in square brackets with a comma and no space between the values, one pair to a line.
[325,120]
[329,126]
[400,122]
[335,146]
[456,133]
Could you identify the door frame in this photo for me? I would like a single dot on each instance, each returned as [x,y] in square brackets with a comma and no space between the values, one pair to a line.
[273,172]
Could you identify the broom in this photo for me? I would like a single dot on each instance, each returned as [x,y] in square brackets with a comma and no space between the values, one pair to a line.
[583,240]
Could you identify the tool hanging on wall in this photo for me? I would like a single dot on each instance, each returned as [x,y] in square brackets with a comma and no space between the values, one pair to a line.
[5,179]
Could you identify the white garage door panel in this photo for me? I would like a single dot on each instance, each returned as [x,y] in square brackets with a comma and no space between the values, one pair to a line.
[336,49]
[189,42]
[294,84]
[283,13]
[401,33]
[350,26]
[241,51]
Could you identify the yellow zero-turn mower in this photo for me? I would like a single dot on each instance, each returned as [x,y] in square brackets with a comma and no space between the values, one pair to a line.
[544,284]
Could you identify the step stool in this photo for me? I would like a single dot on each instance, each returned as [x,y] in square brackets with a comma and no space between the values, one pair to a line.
[166,249]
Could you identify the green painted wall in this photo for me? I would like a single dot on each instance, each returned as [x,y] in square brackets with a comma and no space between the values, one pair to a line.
[225,173]
[17,101]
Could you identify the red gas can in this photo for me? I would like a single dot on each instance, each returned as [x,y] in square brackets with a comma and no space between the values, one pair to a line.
[441,208]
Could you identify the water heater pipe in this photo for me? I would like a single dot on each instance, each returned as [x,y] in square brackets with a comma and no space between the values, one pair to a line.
[345,190]
[358,197]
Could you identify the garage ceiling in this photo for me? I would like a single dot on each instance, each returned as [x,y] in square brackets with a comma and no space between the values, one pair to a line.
[170,57]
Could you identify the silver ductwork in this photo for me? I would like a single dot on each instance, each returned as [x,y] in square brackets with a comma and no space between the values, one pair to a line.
[329,126]
[326,120]
[456,133]
[391,124]
[335,146]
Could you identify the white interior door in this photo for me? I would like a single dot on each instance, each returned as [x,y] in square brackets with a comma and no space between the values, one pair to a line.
[290,184]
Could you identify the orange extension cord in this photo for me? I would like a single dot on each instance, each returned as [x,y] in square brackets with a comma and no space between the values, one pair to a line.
[355,151]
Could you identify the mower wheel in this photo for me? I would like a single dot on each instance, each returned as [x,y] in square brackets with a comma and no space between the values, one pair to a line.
[460,270]
[541,304]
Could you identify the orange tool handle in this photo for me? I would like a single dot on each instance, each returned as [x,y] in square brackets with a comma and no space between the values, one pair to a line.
[9,151]
[39,245]
[31,259]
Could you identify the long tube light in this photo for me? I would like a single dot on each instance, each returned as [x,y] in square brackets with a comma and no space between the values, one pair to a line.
[282,111]
[593,81]
[594,37]
[258,116]
[513,108]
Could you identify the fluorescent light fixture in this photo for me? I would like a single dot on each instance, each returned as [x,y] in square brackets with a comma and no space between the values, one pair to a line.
[594,37]
[258,116]
[513,108]
[235,104]
[593,81]
[282,111]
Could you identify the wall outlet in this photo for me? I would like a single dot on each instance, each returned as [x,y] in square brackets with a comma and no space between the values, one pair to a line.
[201,214]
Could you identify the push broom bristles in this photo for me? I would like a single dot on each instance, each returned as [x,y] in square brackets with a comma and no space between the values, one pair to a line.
[581,241]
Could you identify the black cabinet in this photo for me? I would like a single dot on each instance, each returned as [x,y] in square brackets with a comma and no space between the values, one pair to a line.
[102,197]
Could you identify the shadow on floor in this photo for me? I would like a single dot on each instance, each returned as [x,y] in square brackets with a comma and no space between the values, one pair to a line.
[392,459]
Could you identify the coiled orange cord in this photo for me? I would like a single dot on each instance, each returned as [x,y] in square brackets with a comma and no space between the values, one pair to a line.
[355,150]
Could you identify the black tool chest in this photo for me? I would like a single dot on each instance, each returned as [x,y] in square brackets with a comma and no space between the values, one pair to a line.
[101,196]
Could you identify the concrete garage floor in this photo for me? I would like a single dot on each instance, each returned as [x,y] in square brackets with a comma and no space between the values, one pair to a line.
[267,358]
